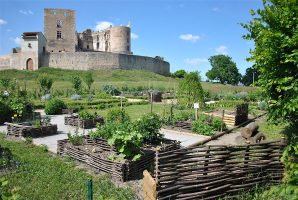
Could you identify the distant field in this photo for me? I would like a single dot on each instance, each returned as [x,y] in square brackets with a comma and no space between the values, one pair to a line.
[119,78]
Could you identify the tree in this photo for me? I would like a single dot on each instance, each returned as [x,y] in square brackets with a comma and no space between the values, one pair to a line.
[274,31]
[190,89]
[88,79]
[77,84]
[251,76]
[45,83]
[223,70]
[179,73]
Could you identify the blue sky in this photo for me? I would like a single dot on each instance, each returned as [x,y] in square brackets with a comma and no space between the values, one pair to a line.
[185,33]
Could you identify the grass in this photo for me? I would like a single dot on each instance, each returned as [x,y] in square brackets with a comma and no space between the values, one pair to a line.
[271,131]
[45,176]
[119,78]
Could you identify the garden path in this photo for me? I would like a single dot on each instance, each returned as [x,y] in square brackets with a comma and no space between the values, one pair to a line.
[186,139]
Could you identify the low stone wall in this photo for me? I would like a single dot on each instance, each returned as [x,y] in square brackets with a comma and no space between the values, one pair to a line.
[20,130]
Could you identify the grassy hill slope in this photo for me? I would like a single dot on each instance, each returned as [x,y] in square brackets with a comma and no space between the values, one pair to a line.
[120,78]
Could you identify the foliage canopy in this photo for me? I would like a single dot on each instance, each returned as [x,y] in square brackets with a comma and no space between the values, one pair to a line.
[223,69]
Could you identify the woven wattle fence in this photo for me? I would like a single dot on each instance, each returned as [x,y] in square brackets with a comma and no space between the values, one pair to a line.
[211,172]
[21,130]
[82,123]
[120,170]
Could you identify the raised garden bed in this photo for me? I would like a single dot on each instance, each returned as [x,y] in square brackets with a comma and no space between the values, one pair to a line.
[74,120]
[27,130]
[95,153]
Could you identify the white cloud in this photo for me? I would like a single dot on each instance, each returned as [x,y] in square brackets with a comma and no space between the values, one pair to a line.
[26,12]
[134,36]
[103,25]
[2,22]
[222,50]
[189,37]
[16,40]
[215,9]
[195,61]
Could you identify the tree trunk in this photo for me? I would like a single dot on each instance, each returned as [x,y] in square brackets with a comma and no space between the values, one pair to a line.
[249,130]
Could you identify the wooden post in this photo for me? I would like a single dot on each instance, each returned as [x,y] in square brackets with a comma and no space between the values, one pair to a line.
[222,120]
[90,195]
[151,99]
[149,187]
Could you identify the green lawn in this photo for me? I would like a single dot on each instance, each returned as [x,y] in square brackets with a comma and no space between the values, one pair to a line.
[47,177]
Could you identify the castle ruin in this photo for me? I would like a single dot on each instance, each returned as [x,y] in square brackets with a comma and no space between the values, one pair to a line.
[62,47]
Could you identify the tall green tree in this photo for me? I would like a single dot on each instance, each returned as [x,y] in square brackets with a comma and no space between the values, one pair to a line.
[88,79]
[274,30]
[190,89]
[76,84]
[251,76]
[45,83]
[179,73]
[223,70]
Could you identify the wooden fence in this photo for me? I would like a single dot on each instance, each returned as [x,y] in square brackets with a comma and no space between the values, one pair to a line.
[124,170]
[212,172]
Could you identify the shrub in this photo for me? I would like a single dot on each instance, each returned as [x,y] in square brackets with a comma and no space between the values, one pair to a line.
[75,139]
[5,112]
[45,83]
[202,128]
[149,126]
[76,84]
[118,116]
[54,107]
[84,114]
[263,105]
[103,95]
[111,90]
[183,116]
[206,125]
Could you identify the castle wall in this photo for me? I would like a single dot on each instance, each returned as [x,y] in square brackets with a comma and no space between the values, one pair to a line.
[18,60]
[105,60]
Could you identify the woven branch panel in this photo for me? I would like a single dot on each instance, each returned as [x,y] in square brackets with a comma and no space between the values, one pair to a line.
[20,130]
[82,123]
[122,171]
[211,172]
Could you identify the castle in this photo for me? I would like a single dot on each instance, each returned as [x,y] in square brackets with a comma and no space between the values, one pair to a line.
[62,47]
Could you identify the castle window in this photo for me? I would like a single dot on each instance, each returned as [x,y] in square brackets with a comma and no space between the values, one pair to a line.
[65,14]
[59,23]
[97,45]
[29,45]
[43,50]
[59,35]
[87,46]
[97,38]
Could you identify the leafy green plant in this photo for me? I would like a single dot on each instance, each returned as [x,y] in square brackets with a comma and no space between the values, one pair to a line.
[111,90]
[148,125]
[6,157]
[88,79]
[5,82]
[76,84]
[37,123]
[54,107]
[84,114]
[8,193]
[207,125]
[76,139]
[202,128]
[45,83]
[118,116]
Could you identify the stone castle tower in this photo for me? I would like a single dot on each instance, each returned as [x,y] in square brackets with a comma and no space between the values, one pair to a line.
[60,30]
